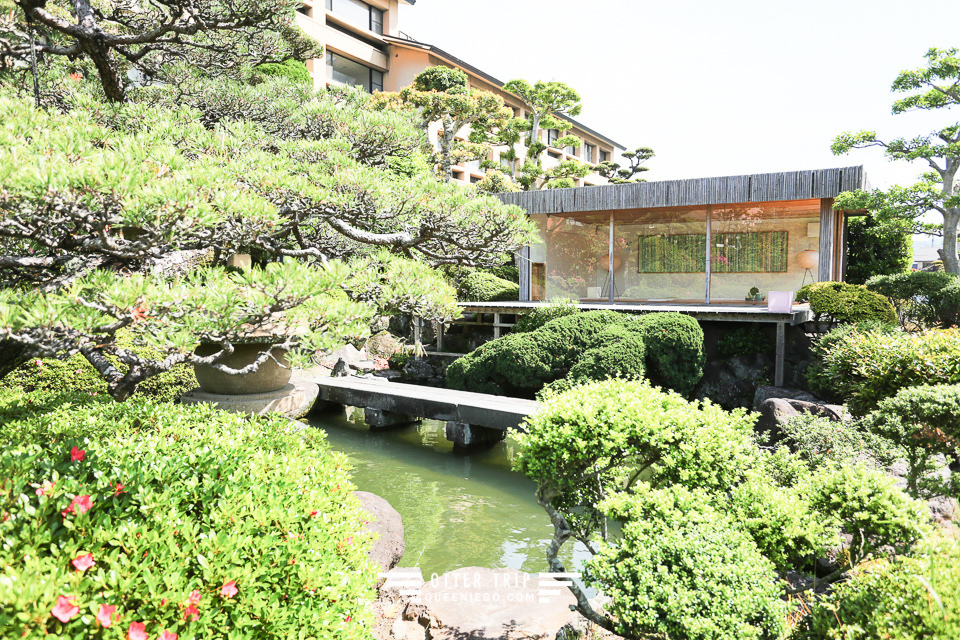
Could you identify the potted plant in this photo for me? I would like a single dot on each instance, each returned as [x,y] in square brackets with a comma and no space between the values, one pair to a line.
[754,294]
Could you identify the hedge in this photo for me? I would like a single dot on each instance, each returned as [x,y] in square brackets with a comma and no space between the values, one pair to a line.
[182,519]
[846,303]
[577,348]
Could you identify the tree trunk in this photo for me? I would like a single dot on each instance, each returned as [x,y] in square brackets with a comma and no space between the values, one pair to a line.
[110,76]
[447,139]
[951,219]
[94,43]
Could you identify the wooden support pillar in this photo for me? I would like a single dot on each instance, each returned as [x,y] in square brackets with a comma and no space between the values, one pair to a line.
[828,241]
[781,354]
[466,436]
[440,332]
[496,326]
[416,330]
[380,419]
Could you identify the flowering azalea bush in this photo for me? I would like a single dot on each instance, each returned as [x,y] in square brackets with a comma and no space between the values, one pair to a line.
[154,521]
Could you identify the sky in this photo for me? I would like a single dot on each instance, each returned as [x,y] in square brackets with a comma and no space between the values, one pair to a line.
[714,87]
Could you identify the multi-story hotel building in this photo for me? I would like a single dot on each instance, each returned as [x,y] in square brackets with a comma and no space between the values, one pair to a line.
[364,46]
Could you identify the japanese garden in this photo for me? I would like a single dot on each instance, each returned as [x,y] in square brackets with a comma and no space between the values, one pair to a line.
[283,325]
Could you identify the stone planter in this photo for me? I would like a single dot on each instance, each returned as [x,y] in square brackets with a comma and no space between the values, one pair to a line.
[268,377]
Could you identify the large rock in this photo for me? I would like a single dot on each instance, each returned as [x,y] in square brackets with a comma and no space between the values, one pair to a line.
[775,412]
[765,392]
[382,345]
[494,604]
[386,523]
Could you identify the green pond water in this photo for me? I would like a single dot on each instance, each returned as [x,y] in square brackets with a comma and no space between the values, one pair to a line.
[459,510]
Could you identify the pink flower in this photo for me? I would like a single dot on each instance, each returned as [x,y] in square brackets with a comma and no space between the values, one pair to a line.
[137,631]
[163,601]
[312,513]
[167,635]
[229,589]
[76,77]
[45,487]
[64,610]
[105,615]
[118,490]
[83,562]
[76,455]
[193,598]
[191,614]
[82,504]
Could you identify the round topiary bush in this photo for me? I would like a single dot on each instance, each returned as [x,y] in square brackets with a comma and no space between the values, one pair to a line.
[847,303]
[542,315]
[480,286]
[123,519]
[675,353]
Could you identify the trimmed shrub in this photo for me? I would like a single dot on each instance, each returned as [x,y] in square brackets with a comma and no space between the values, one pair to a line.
[696,576]
[866,503]
[915,598]
[846,303]
[821,442]
[863,368]
[542,315]
[675,355]
[707,518]
[924,423]
[820,383]
[667,345]
[480,286]
[75,374]
[184,518]
[918,296]
[616,353]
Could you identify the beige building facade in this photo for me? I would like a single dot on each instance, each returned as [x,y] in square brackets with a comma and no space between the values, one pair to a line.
[363,46]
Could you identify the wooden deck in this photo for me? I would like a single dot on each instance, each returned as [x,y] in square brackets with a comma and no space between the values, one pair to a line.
[462,407]
[712,312]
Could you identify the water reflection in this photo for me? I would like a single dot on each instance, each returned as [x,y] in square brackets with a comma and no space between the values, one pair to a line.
[459,510]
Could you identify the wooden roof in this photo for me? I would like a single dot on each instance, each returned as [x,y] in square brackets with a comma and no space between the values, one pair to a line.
[758,187]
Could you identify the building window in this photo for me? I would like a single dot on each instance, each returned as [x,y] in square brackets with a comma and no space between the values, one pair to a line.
[376,20]
[357,13]
[552,136]
[305,10]
[588,151]
[342,70]
[571,151]
[506,164]
[604,156]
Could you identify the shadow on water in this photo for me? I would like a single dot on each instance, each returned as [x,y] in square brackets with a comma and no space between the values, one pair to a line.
[458,509]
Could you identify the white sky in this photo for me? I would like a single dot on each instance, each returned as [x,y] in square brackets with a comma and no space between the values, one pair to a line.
[714,87]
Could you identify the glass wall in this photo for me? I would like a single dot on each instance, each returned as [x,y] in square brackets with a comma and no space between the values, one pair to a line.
[764,245]
[661,255]
[574,257]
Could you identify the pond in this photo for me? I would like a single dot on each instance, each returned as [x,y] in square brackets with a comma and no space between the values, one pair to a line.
[458,509]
